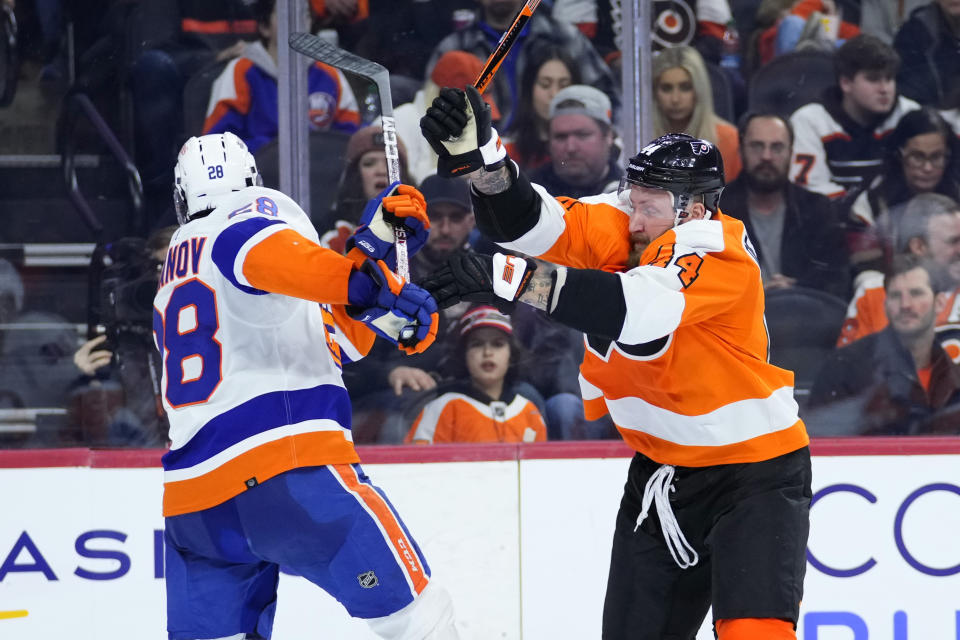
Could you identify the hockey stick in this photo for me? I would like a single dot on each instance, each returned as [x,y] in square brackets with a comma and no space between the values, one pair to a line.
[322,51]
[506,43]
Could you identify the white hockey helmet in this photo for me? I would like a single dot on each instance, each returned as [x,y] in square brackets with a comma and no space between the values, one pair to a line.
[208,168]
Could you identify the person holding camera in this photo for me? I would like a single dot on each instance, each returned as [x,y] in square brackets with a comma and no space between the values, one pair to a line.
[115,401]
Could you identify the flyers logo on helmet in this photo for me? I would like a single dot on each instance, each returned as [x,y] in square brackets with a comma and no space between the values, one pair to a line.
[700,148]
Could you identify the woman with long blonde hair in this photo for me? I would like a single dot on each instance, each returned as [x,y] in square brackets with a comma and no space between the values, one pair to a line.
[683,103]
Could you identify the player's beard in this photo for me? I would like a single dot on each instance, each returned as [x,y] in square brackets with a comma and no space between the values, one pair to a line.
[639,242]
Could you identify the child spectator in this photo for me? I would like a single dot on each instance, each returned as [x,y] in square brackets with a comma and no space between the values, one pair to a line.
[683,103]
[482,405]
[244,97]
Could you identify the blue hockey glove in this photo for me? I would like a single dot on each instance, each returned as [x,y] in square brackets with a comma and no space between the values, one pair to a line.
[401,312]
[398,204]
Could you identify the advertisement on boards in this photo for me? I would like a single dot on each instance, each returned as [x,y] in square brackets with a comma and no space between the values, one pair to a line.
[522,545]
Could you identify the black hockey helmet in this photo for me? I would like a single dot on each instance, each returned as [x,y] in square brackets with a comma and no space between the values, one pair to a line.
[681,164]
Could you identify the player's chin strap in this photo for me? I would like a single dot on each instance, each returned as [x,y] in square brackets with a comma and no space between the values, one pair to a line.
[658,490]
[680,203]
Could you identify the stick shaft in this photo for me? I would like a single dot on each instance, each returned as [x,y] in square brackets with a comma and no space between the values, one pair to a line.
[506,43]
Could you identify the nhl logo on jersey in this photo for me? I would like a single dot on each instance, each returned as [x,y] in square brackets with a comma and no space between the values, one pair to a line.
[700,148]
[368,580]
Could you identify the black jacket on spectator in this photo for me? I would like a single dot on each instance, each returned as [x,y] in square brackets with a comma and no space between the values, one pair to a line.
[556,186]
[930,55]
[872,386]
[813,249]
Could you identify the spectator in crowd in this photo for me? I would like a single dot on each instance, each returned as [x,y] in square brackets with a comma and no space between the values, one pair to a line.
[364,176]
[798,240]
[920,158]
[839,145]
[549,70]
[451,218]
[805,27]
[453,69]
[482,404]
[929,228]
[583,157]
[481,38]
[116,400]
[898,381]
[683,103]
[185,36]
[244,99]
[929,47]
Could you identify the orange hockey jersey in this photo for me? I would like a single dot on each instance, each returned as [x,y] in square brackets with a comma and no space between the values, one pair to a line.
[465,415]
[687,382]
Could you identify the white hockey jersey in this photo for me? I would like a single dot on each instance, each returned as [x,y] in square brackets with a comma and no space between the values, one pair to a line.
[251,374]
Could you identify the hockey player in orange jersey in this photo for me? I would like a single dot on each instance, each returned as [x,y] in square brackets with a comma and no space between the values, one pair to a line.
[667,291]
[253,319]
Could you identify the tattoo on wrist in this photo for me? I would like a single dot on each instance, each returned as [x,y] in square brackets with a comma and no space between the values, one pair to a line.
[492,182]
[537,293]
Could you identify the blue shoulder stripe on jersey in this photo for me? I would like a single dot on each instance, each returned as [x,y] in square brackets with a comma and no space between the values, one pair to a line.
[228,245]
[259,414]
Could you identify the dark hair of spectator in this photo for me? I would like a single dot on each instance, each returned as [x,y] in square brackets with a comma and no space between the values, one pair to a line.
[904,262]
[917,123]
[456,363]
[865,53]
[262,12]
[915,221]
[744,123]
[524,128]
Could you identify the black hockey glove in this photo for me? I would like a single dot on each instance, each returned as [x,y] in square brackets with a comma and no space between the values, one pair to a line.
[498,280]
[458,127]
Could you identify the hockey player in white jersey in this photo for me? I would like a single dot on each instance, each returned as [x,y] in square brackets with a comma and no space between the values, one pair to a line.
[253,320]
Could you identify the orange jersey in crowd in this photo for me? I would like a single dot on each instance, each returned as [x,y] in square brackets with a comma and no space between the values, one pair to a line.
[464,415]
[688,381]
[866,313]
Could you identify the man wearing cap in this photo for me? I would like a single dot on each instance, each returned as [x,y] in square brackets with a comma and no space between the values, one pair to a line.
[582,153]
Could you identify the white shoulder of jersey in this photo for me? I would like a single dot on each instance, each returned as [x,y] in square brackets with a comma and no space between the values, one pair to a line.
[813,117]
[611,198]
[263,202]
[702,236]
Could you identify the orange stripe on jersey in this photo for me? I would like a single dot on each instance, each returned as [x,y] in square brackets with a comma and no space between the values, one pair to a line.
[287,263]
[383,514]
[191,25]
[240,103]
[762,447]
[356,333]
[315,448]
